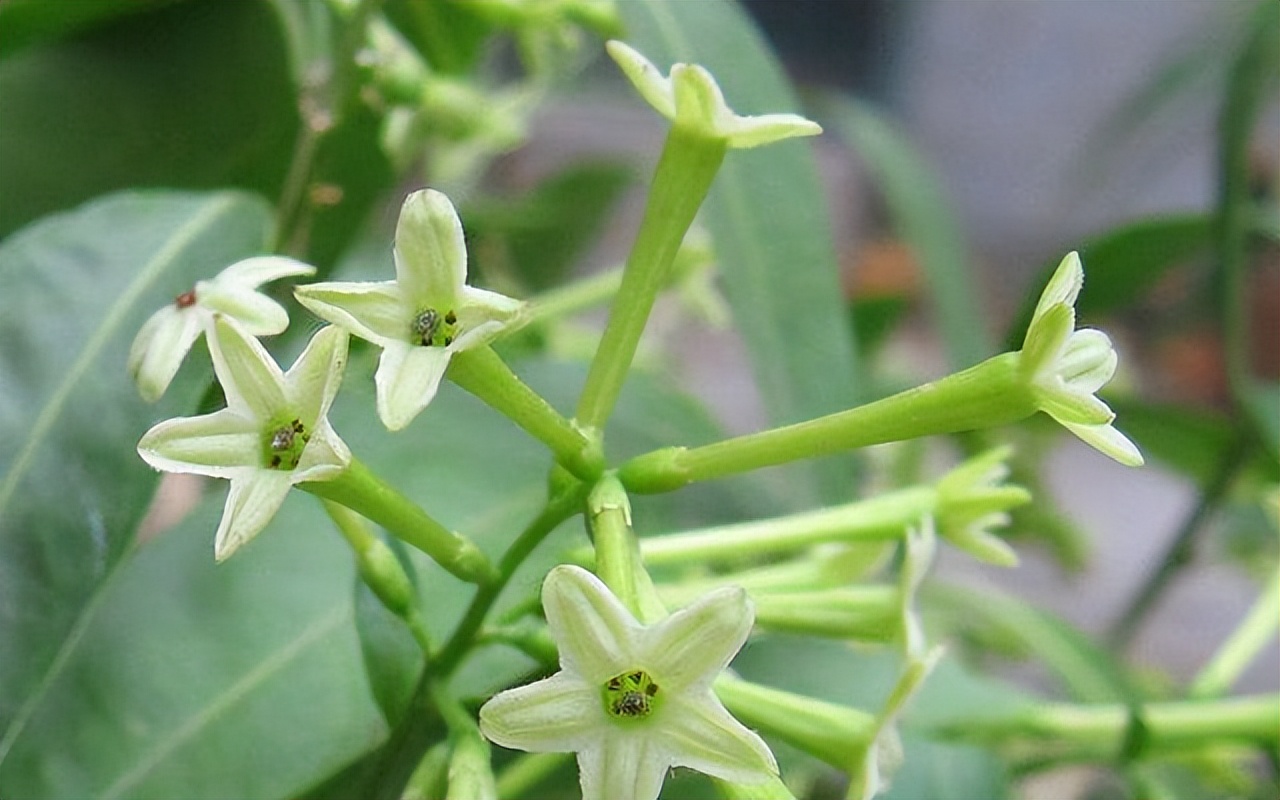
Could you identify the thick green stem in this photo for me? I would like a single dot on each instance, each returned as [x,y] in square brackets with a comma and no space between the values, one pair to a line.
[1097,731]
[988,394]
[362,491]
[617,552]
[688,164]
[1253,634]
[484,374]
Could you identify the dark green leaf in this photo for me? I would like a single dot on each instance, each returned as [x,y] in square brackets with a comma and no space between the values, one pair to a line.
[772,233]
[542,232]
[77,288]
[923,220]
[194,95]
[27,22]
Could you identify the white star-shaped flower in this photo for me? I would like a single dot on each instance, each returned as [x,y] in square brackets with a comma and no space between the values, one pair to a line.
[424,316]
[633,700]
[273,433]
[166,337]
[691,99]
[1066,366]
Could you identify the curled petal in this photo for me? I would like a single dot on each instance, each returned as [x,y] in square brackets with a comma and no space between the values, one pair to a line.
[249,376]
[159,348]
[253,500]
[648,80]
[557,715]
[1106,439]
[221,445]
[1067,406]
[257,313]
[706,737]
[696,643]
[1063,287]
[325,456]
[407,380]
[430,251]
[253,272]
[312,382]
[376,312]
[1088,361]
[595,633]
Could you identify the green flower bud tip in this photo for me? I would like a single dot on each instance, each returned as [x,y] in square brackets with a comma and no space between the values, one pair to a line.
[1065,367]
[272,435]
[972,500]
[167,336]
[692,100]
[633,700]
[424,316]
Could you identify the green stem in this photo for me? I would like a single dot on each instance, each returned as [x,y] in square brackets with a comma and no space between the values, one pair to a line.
[362,491]
[688,164]
[380,570]
[617,552]
[1253,634]
[988,394]
[1096,731]
[557,511]
[1181,550]
[879,519]
[484,374]
[572,297]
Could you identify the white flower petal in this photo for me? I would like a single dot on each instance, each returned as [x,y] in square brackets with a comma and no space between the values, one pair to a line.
[312,382]
[623,767]
[1088,361]
[693,645]
[1106,439]
[376,312]
[1063,287]
[596,635]
[430,251]
[407,379]
[748,132]
[699,102]
[482,317]
[249,376]
[560,714]
[324,457]
[251,273]
[648,80]
[221,445]
[704,736]
[256,313]
[251,503]
[159,348]
[1067,406]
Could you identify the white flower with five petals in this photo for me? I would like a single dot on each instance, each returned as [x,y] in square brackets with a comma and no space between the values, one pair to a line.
[633,700]
[273,433]
[1066,366]
[692,100]
[424,316]
[167,336]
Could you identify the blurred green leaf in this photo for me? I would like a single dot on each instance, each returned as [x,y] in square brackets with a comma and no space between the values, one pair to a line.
[193,95]
[28,22]
[1121,264]
[922,218]
[77,287]
[541,232]
[768,217]
[449,35]
[1262,399]
[941,771]
[1089,673]
[873,319]
[392,657]
[1194,442]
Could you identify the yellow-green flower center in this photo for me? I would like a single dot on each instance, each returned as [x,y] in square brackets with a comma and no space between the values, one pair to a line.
[630,695]
[430,328]
[282,445]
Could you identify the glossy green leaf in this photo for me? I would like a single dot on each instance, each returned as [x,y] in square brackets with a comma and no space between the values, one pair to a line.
[192,95]
[922,218]
[28,22]
[767,215]
[77,287]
